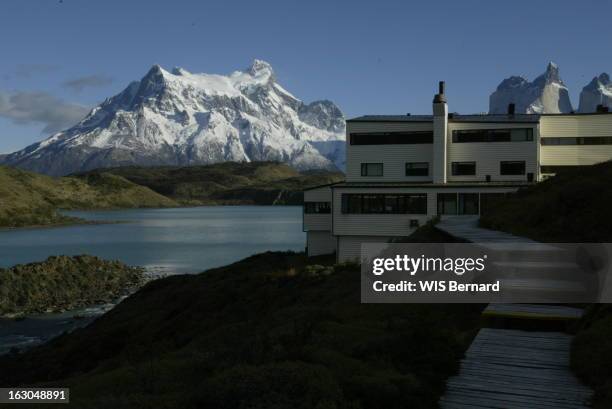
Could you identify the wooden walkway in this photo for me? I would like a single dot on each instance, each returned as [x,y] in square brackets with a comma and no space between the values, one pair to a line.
[509,368]
[533,312]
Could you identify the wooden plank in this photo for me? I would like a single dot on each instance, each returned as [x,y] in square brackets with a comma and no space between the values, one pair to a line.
[508,369]
[533,311]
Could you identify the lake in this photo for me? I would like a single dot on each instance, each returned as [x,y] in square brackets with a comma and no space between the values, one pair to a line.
[173,241]
[164,241]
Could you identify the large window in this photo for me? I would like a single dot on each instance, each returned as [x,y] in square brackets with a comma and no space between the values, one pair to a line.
[493,135]
[458,203]
[376,203]
[447,203]
[391,138]
[512,167]
[583,140]
[464,168]
[317,207]
[417,168]
[371,169]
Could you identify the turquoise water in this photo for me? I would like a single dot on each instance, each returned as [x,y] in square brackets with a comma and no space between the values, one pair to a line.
[184,240]
[165,241]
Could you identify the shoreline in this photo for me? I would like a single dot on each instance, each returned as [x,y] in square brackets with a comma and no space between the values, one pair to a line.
[77,221]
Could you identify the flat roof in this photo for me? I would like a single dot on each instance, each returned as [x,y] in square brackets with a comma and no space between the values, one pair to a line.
[449,185]
[454,117]
[322,186]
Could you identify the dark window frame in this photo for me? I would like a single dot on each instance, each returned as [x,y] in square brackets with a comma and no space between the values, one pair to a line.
[365,165]
[317,207]
[391,138]
[491,135]
[508,171]
[384,203]
[415,171]
[455,168]
[576,141]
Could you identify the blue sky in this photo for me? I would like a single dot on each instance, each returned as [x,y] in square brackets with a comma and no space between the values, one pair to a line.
[59,58]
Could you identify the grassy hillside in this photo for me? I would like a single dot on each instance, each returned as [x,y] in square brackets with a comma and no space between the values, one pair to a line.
[261,183]
[571,207]
[267,332]
[62,283]
[592,353]
[28,198]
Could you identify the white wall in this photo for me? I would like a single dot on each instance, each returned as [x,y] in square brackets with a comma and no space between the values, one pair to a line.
[394,157]
[349,247]
[320,194]
[565,126]
[488,155]
[317,222]
[320,242]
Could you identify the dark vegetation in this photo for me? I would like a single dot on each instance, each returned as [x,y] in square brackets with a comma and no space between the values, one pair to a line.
[258,183]
[276,330]
[63,283]
[572,207]
[592,353]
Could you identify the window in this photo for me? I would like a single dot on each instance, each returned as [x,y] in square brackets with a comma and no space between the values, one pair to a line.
[391,138]
[468,203]
[414,203]
[493,135]
[512,168]
[417,168]
[371,169]
[583,140]
[447,203]
[463,168]
[317,207]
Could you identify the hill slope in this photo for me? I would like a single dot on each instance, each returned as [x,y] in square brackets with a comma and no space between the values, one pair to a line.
[179,118]
[261,183]
[28,198]
[266,332]
[572,207]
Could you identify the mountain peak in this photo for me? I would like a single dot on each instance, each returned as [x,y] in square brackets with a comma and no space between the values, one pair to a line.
[596,92]
[551,74]
[180,71]
[604,78]
[260,68]
[545,94]
[156,69]
[180,118]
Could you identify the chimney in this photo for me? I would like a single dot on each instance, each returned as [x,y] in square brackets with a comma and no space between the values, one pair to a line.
[440,97]
[440,131]
[602,109]
[511,109]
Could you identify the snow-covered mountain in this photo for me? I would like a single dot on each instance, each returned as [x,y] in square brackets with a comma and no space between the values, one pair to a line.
[180,118]
[546,94]
[598,91]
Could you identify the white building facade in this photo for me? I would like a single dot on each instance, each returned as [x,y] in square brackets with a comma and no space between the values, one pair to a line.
[402,170]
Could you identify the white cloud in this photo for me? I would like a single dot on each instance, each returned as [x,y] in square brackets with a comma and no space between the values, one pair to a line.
[94,80]
[40,108]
